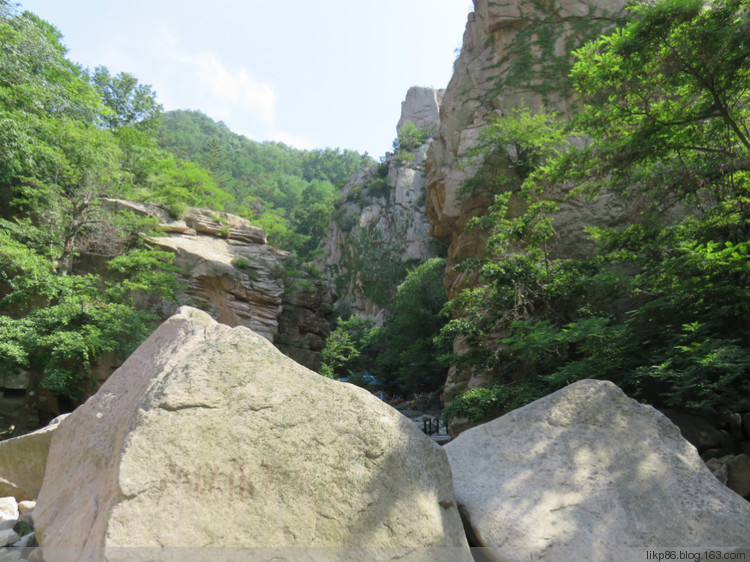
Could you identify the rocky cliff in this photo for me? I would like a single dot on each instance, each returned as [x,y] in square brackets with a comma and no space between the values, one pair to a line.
[380,226]
[233,274]
[514,54]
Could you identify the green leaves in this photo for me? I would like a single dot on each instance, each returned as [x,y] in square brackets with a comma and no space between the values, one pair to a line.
[345,346]
[666,100]
[663,307]
[127,102]
[57,325]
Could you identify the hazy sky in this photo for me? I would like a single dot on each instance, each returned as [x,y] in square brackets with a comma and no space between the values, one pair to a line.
[311,73]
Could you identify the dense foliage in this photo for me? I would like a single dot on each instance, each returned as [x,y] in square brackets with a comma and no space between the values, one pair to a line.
[288,192]
[662,307]
[403,353]
[64,144]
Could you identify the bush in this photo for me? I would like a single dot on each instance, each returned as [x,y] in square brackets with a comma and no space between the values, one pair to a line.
[479,405]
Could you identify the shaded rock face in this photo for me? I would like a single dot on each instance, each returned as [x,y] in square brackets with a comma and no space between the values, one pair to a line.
[380,225]
[231,273]
[497,36]
[23,461]
[203,412]
[585,473]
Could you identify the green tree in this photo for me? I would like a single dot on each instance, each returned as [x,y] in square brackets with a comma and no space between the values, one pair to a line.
[56,162]
[346,352]
[410,356]
[128,103]
[409,139]
[676,138]
[56,326]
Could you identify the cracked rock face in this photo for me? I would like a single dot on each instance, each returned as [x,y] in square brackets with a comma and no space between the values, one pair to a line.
[202,413]
[492,42]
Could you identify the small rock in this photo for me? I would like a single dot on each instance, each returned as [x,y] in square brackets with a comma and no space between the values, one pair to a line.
[10,555]
[8,508]
[746,425]
[25,506]
[26,541]
[719,469]
[734,424]
[700,432]
[739,474]
[8,513]
[27,517]
[715,454]
[733,471]
[8,536]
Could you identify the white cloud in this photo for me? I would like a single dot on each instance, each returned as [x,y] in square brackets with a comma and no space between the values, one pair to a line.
[203,80]
[237,86]
[294,141]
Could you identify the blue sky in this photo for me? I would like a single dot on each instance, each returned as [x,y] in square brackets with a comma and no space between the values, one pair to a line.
[311,73]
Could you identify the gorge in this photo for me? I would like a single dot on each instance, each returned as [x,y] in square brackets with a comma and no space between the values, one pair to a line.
[179,288]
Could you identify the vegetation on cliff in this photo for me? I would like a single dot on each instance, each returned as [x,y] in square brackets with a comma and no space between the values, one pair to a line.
[662,306]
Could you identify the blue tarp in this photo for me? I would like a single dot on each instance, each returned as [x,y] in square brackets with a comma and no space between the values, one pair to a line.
[367,378]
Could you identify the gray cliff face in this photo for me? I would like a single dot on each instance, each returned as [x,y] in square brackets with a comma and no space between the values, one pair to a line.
[380,224]
[493,76]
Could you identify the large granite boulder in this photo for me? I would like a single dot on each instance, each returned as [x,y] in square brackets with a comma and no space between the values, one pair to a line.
[23,461]
[207,436]
[587,473]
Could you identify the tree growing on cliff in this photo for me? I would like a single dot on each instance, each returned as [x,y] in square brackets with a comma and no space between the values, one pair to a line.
[667,106]
[666,109]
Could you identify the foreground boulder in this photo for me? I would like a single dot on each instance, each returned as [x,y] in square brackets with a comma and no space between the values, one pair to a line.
[587,473]
[207,436]
[23,461]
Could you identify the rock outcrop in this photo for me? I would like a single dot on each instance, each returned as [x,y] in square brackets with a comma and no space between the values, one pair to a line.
[380,224]
[206,414]
[587,473]
[508,60]
[23,461]
[233,274]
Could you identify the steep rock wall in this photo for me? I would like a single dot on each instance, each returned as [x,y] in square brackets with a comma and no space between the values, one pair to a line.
[231,272]
[514,54]
[380,225]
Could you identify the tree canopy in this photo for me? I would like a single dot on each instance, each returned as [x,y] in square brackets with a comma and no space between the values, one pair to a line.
[288,192]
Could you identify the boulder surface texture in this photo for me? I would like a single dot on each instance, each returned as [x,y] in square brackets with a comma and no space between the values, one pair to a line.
[587,473]
[207,436]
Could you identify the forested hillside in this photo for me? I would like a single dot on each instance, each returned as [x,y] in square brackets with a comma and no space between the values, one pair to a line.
[290,193]
[67,138]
